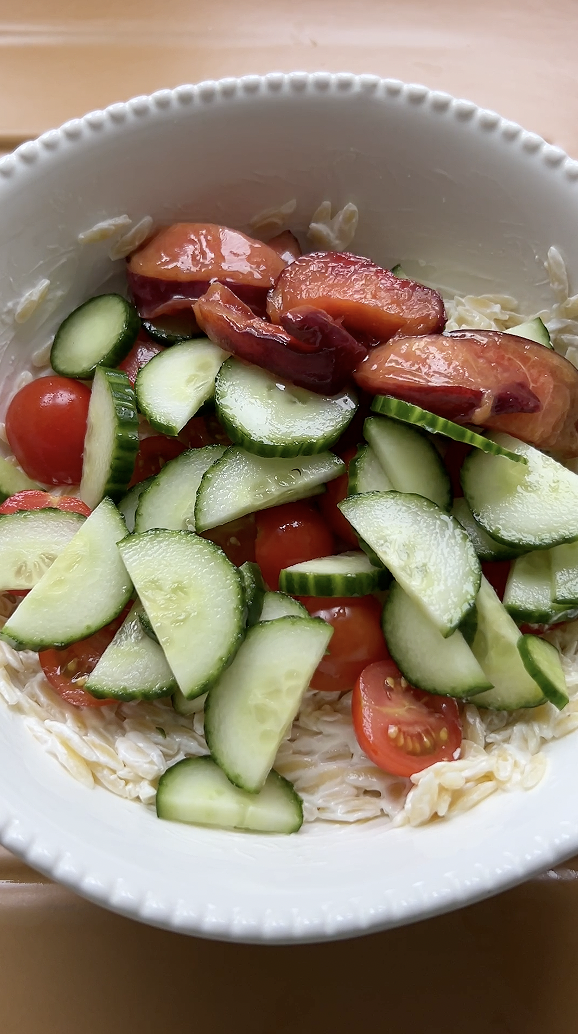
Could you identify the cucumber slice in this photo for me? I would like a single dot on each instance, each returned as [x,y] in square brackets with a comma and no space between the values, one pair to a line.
[495,647]
[410,414]
[255,590]
[86,588]
[279,605]
[533,330]
[542,662]
[529,507]
[13,480]
[241,483]
[195,790]
[366,473]
[424,657]
[528,593]
[564,560]
[146,624]
[194,599]
[172,328]
[348,574]
[250,709]
[111,441]
[409,459]
[186,707]
[101,332]
[485,547]
[129,502]
[169,500]
[175,383]
[426,550]
[400,272]
[30,541]
[132,667]
[271,417]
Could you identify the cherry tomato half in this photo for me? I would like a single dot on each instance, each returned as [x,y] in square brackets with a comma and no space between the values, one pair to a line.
[357,639]
[335,491]
[67,670]
[497,572]
[236,539]
[401,729]
[33,500]
[152,455]
[287,535]
[45,428]
[140,354]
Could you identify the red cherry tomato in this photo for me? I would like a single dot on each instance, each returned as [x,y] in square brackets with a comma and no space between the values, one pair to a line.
[152,455]
[45,428]
[497,571]
[401,729]
[357,639]
[67,670]
[453,457]
[335,491]
[140,354]
[236,539]
[287,535]
[203,430]
[33,500]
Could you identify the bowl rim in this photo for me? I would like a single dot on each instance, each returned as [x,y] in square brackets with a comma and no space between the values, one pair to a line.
[319,924]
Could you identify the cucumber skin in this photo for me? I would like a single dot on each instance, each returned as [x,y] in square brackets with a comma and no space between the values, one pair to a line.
[254,588]
[112,358]
[126,443]
[549,689]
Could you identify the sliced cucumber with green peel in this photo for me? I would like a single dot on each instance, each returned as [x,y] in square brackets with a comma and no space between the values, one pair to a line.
[129,502]
[426,550]
[186,707]
[146,624]
[172,328]
[255,590]
[111,441]
[410,414]
[101,332]
[241,483]
[424,657]
[564,561]
[485,547]
[528,592]
[30,541]
[529,507]
[409,460]
[86,587]
[13,480]
[169,500]
[347,574]
[542,662]
[194,599]
[495,647]
[132,667]
[175,383]
[250,709]
[400,272]
[533,330]
[271,417]
[197,791]
[279,605]
[365,473]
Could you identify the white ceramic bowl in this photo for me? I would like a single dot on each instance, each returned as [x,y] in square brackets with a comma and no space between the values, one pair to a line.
[479,201]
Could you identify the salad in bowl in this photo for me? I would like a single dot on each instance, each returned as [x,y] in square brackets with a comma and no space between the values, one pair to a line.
[286,538]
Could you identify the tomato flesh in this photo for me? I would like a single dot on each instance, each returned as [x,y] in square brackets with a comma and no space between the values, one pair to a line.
[140,354]
[287,535]
[30,499]
[236,539]
[401,729]
[335,491]
[357,639]
[45,428]
[152,455]
[67,670]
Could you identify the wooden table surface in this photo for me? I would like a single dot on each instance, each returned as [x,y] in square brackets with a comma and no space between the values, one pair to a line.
[505,966]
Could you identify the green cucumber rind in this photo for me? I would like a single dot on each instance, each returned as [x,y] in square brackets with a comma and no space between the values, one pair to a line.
[254,588]
[533,330]
[318,583]
[125,444]
[128,505]
[113,356]
[359,473]
[528,645]
[410,414]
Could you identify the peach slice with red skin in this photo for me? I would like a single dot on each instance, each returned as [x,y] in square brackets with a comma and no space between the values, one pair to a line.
[367,299]
[485,378]
[286,245]
[319,355]
[175,267]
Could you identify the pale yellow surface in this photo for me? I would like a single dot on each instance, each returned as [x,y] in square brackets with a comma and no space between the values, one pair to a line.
[509,964]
